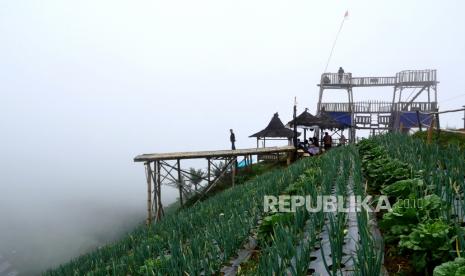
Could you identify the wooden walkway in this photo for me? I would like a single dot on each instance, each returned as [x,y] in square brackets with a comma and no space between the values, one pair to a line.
[165,169]
[211,154]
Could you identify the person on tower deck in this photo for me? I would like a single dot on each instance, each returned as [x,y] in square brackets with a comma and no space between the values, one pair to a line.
[340,73]
[328,141]
[326,80]
[232,138]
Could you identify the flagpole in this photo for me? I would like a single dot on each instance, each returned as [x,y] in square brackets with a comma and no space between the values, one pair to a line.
[295,125]
[335,40]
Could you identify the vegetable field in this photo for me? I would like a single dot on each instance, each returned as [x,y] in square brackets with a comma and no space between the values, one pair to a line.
[231,234]
[424,232]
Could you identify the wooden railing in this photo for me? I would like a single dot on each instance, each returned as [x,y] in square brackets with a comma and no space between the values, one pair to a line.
[370,81]
[416,76]
[336,79]
[365,120]
[402,78]
[378,107]
[384,119]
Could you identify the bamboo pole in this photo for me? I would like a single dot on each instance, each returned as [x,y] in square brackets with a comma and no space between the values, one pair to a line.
[233,171]
[430,133]
[418,120]
[154,190]
[159,208]
[209,171]
[180,182]
[148,171]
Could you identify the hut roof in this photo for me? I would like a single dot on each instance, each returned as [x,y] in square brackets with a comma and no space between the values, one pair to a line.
[305,119]
[275,128]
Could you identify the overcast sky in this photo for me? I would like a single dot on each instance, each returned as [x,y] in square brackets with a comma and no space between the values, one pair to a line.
[87,85]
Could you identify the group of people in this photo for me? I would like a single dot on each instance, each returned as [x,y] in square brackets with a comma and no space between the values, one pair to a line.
[313,147]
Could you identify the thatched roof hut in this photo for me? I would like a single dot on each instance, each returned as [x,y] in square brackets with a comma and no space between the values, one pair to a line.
[275,129]
[305,119]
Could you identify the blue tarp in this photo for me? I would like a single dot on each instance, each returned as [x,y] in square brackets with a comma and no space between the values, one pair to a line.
[341,117]
[409,119]
[243,164]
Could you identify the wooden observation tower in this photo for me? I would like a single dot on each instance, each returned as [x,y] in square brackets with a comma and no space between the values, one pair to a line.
[414,98]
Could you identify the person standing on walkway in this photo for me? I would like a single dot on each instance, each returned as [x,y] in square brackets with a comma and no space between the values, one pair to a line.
[340,74]
[232,138]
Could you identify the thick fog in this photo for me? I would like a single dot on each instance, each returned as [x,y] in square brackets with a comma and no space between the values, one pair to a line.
[87,85]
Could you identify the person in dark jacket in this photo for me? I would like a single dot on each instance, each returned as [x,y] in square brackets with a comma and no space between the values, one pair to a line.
[232,138]
[328,141]
[340,74]
[315,142]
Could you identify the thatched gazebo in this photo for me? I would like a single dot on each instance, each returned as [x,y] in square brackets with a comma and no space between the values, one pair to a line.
[326,122]
[274,131]
[306,121]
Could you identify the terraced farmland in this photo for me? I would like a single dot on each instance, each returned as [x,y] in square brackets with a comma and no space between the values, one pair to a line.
[230,233]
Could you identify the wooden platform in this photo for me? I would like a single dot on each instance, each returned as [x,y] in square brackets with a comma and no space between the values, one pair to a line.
[165,169]
[210,154]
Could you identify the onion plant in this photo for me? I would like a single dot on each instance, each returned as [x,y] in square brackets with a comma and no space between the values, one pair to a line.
[197,240]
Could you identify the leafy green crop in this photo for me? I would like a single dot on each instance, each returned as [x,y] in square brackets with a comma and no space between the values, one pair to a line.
[452,268]
[428,195]
[403,188]
[269,223]
[430,243]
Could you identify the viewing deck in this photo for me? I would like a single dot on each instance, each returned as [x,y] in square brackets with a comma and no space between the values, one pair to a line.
[407,78]
[378,107]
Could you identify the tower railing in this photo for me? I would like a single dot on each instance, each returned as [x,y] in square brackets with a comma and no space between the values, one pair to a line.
[412,77]
[416,76]
[378,107]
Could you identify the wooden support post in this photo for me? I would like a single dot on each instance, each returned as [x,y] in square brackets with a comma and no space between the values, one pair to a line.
[418,120]
[180,182]
[463,117]
[233,171]
[148,171]
[154,191]
[438,128]
[158,188]
[209,171]
[429,136]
